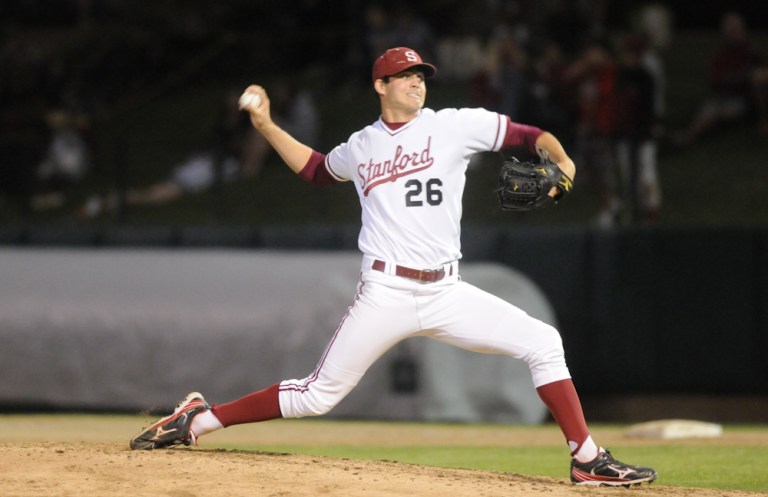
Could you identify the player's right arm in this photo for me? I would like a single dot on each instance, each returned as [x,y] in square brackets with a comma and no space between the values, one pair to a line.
[294,153]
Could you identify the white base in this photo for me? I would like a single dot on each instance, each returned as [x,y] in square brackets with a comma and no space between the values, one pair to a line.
[674,428]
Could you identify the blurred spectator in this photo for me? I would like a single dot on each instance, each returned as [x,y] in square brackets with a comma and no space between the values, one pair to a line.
[636,144]
[550,103]
[385,27]
[196,174]
[410,30]
[656,25]
[460,58]
[730,70]
[760,89]
[224,160]
[237,151]
[567,23]
[501,84]
[67,158]
[594,75]
[654,32]
[512,19]
[294,109]
[377,38]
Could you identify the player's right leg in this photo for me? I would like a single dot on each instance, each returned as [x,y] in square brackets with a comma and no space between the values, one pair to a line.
[380,316]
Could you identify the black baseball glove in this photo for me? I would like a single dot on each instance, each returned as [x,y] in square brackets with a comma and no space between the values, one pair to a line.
[525,186]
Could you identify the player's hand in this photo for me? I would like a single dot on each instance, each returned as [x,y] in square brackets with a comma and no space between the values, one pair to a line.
[256,102]
[569,169]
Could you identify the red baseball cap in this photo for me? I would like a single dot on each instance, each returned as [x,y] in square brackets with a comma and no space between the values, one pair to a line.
[399,59]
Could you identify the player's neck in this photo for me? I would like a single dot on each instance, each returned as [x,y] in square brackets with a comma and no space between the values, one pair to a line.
[394,117]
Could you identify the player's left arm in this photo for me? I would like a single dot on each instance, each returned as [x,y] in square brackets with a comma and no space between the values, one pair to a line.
[542,142]
[549,148]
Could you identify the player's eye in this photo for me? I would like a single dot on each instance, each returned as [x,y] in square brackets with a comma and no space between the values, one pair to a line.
[410,74]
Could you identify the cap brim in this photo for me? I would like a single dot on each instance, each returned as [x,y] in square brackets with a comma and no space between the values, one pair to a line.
[428,69]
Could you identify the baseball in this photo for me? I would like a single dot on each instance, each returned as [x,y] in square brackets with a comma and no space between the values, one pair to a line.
[249,100]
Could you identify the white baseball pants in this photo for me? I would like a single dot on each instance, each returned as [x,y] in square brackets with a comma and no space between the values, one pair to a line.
[388,309]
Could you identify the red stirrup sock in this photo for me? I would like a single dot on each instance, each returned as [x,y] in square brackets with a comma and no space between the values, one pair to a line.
[257,406]
[564,404]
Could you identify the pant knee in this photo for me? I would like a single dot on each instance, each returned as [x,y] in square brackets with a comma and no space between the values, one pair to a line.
[547,362]
[317,394]
[309,401]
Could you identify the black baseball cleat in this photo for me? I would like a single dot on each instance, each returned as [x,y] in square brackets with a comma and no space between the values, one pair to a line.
[604,470]
[173,429]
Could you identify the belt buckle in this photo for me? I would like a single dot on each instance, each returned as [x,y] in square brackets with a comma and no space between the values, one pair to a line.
[428,275]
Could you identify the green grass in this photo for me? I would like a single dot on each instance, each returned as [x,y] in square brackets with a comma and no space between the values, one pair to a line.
[726,467]
[722,467]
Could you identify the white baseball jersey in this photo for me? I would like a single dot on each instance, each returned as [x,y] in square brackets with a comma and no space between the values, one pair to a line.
[410,181]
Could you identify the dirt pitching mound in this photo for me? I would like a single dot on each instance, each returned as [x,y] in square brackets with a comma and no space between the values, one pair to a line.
[88,456]
[91,469]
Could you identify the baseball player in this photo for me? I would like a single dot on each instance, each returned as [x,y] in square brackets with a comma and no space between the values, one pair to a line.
[409,168]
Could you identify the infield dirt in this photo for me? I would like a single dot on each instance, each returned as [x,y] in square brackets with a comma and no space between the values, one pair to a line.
[47,456]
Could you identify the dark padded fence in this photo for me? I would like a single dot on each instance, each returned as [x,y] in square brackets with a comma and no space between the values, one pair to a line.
[655,311]
[641,310]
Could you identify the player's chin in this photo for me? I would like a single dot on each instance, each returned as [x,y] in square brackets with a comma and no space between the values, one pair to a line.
[416,106]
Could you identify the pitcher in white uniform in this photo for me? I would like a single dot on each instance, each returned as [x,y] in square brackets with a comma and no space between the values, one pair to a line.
[409,169]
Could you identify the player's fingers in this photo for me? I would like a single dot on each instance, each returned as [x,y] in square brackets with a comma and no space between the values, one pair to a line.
[254,89]
[553,191]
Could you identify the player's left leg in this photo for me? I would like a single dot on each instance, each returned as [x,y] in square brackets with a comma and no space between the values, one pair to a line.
[470,318]
[476,320]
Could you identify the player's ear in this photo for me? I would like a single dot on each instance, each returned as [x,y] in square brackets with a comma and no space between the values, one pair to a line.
[379,86]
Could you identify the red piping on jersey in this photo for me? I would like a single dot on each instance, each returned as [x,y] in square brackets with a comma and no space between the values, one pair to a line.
[498,130]
[394,126]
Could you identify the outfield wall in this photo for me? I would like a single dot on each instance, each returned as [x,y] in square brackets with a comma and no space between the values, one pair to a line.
[137,329]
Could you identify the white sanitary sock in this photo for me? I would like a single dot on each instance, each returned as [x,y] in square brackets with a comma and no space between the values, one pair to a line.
[587,452]
[205,422]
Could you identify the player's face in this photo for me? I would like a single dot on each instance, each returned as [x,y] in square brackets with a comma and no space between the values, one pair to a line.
[405,92]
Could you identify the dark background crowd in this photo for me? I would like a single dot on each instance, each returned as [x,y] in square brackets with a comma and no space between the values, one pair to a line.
[125,112]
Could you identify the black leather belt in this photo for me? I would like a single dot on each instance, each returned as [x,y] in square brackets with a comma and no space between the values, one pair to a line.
[421,275]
